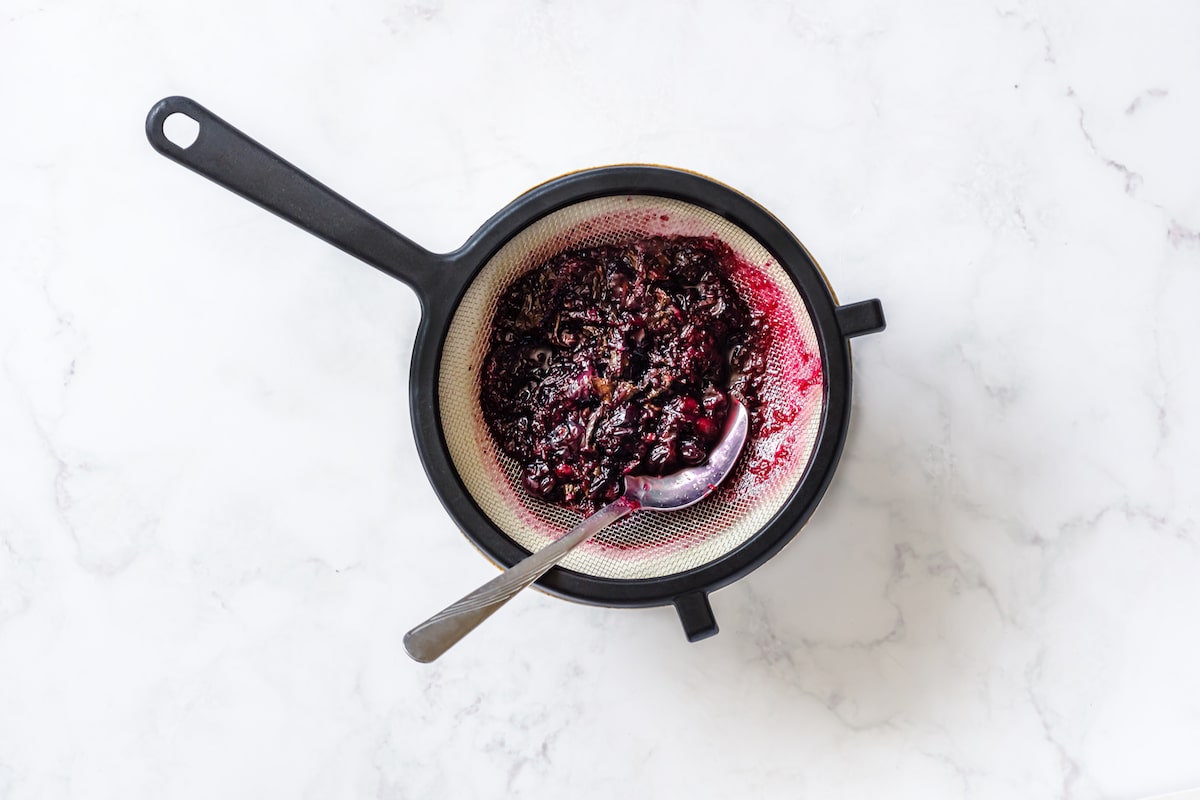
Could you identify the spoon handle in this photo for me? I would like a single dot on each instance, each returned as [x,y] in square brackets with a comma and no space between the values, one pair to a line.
[440,632]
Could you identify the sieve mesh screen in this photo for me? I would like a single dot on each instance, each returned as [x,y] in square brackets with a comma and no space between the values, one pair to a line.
[647,544]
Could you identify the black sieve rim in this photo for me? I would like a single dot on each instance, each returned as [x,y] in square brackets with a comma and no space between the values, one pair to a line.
[833,325]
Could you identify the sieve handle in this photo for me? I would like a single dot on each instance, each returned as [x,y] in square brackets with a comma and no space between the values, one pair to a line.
[228,157]
[443,630]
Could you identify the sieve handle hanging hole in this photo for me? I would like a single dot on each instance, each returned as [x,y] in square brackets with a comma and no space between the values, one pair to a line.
[205,143]
[696,615]
[857,319]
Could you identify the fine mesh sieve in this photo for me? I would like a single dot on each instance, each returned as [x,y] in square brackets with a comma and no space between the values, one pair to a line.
[645,545]
[649,559]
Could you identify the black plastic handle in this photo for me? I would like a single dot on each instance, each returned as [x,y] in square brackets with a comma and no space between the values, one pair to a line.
[696,615]
[228,157]
[857,319]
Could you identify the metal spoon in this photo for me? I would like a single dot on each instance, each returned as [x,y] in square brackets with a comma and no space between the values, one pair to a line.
[687,487]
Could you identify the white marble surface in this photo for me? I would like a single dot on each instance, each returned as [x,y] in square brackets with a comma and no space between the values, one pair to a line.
[214,527]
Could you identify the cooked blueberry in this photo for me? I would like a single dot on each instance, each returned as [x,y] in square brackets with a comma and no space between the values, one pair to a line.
[619,360]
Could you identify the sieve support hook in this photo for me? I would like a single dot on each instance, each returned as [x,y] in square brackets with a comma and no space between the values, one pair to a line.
[696,615]
[858,319]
